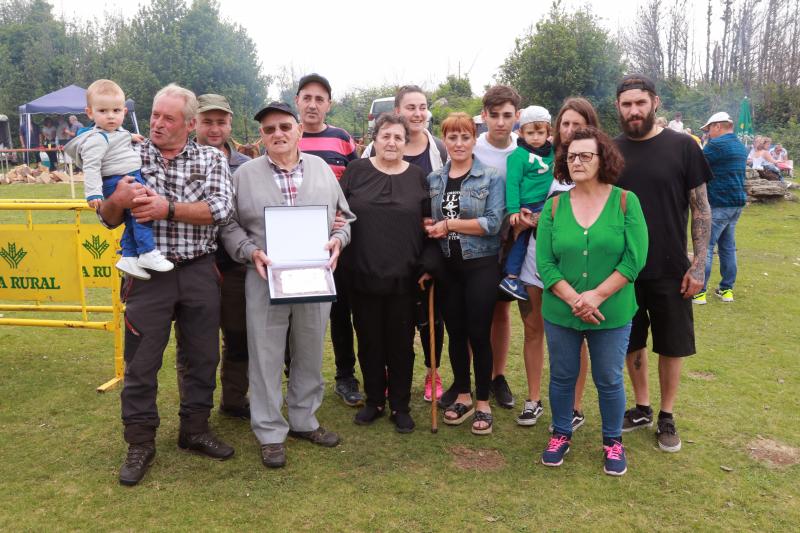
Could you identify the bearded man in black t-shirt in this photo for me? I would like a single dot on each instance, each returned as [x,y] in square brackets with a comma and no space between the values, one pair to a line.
[668,173]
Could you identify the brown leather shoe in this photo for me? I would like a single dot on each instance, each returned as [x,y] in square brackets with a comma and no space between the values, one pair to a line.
[320,436]
[273,455]
[137,462]
[206,444]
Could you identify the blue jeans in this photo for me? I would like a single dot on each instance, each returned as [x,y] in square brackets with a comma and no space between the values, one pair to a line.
[137,239]
[723,228]
[516,255]
[607,349]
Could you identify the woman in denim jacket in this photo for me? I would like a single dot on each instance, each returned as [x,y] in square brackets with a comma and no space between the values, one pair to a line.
[467,205]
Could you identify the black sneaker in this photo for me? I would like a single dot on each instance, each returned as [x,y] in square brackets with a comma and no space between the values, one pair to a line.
[502,392]
[667,435]
[578,418]
[205,443]
[137,462]
[530,414]
[347,390]
[448,398]
[636,418]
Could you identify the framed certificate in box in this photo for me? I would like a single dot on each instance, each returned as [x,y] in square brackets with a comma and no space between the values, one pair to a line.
[296,238]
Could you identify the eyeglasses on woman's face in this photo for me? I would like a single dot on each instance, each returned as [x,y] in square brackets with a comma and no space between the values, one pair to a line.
[584,157]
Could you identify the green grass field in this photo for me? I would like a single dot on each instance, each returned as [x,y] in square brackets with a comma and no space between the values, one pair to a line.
[61,442]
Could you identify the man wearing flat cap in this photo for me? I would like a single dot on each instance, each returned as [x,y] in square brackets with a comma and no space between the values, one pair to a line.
[283,176]
[668,173]
[727,157]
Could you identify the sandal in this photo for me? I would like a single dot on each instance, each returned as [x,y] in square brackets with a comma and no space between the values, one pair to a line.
[482,416]
[462,413]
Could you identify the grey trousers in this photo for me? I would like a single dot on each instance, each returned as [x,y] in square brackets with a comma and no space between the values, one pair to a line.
[267,326]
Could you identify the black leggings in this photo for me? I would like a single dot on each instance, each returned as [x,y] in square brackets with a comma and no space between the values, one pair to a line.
[385,329]
[469,294]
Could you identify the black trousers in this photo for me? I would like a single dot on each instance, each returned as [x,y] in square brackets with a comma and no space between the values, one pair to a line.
[385,328]
[469,294]
[190,295]
[342,329]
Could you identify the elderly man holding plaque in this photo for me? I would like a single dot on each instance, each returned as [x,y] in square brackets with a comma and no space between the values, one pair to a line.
[280,298]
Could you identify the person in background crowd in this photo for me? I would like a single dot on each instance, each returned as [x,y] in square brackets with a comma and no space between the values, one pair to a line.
[336,147]
[668,173]
[727,157]
[781,157]
[761,158]
[591,245]
[428,153]
[48,140]
[389,197]
[284,176]
[28,143]
[188,194]
[468,205]
[676,124]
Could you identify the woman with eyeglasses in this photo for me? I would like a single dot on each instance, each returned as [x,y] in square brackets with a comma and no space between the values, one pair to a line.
[591,245]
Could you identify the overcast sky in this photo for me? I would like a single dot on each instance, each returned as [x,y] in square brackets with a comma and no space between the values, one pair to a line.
[382,42]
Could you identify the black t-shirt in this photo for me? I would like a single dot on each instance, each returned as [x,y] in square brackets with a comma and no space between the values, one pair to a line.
[661,171]
[383,256]
[422,160]
[451,209]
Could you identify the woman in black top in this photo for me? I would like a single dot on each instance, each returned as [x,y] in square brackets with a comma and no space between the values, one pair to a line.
[390,198]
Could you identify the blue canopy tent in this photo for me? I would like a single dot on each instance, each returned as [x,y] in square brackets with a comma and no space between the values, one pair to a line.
[70,100]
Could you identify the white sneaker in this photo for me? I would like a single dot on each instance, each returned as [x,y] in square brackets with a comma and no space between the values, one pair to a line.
[155,261]
[130,266]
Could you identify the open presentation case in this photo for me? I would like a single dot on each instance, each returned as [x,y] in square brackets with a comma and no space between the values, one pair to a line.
[296,238]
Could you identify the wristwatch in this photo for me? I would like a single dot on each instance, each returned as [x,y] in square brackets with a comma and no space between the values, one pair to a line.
[171,210]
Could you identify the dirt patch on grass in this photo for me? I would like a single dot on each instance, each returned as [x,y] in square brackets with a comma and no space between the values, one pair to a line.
[703,376]
[480,459]
[773,453]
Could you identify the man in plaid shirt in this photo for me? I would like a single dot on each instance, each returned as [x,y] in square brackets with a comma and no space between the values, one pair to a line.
[188,195]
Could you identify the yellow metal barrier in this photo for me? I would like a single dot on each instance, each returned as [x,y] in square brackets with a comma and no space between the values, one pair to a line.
[47,263]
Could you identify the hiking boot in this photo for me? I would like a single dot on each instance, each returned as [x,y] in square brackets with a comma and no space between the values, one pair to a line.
[699,298]
[347,390]
[319,436]
[531,411]
[502,392]
[137,462]
[427,396]
[635,418]
[155,260]
[273,455]
[130,267]
[557,448]
[726,295]
[242,413]
[616,464]
[514,288]
[578,419]
[205,443]
[667,435]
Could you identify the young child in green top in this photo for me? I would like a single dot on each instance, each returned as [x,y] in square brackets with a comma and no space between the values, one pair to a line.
[529,175]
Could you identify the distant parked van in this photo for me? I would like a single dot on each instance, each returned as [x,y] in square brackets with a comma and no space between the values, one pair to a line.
[379,105]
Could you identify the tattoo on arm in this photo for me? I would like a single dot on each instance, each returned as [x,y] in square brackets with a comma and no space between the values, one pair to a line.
[701,229]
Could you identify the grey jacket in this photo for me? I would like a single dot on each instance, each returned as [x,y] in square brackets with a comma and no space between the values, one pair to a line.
[101,154]
[255,188]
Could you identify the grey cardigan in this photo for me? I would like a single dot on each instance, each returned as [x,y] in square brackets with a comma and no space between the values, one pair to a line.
[255,188]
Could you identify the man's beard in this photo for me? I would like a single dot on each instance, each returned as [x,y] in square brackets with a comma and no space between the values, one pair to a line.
[637,132]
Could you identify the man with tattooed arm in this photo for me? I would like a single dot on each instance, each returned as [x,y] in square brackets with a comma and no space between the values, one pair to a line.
[668,173]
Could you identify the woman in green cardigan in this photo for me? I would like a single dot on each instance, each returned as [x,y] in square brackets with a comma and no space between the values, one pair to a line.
[591,245]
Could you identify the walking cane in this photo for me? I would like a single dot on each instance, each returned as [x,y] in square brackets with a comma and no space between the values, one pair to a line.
[434,371]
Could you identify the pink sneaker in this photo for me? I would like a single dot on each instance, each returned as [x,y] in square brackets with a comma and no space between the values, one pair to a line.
[429,387]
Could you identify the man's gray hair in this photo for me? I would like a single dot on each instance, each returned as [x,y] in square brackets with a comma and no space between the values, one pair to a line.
[190,99]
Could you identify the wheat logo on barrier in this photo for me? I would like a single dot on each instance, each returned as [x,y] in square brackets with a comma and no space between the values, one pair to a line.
[11,255]
[96,247]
